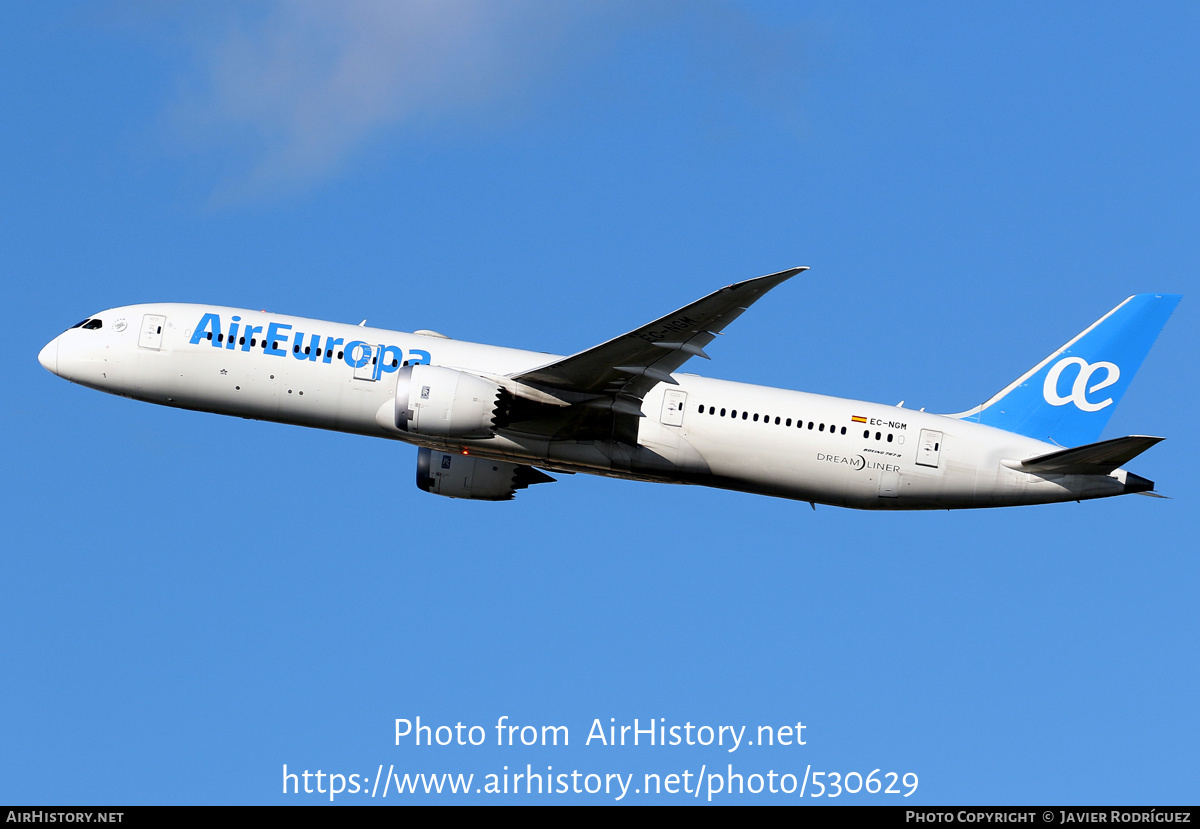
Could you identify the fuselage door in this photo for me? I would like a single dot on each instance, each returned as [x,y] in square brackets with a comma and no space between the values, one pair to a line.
[152,331]
[672,408]
[930,448]
[369,355]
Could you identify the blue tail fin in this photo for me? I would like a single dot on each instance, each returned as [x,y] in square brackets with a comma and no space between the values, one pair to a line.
[1068,397]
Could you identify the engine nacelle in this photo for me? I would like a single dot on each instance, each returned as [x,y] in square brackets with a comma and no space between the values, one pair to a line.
[466,476]
[444,402]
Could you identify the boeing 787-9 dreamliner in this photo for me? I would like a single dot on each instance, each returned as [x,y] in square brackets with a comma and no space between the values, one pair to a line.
[488,420]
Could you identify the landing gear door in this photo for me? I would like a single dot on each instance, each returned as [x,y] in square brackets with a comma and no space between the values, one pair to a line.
[672,408]
[929,449]
[152,331]
[889,484]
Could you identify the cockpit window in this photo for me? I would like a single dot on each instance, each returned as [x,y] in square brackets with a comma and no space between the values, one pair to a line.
[80,324]
[92,325]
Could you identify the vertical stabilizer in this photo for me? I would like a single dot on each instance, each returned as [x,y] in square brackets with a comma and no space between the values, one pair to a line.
[1068,397]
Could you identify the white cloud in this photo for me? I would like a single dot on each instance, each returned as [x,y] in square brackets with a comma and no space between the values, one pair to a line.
[295,88]
[307,82]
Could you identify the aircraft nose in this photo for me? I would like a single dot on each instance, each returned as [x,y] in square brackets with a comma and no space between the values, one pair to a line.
[48,356]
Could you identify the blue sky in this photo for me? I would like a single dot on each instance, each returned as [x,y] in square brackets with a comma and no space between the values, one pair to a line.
[191,602]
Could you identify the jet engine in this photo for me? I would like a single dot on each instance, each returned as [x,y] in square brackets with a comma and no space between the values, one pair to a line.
[466,476]
[444,402]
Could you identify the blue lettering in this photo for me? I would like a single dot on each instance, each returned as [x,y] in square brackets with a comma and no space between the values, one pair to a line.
[298,350]
[359,362]
[210,324]
[248,336]
[273,338]
[330,342]
[233,332]
[357,353]
[389,360]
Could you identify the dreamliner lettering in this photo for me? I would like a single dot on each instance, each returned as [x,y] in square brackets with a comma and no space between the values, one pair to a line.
[356,353]
[858,462]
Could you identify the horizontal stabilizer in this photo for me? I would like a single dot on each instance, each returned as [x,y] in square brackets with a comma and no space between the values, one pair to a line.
[1092,459]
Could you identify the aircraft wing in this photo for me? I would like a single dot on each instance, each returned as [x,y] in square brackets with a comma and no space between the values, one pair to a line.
[621,371]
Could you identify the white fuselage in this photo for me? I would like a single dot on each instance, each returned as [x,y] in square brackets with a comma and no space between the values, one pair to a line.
[783,443]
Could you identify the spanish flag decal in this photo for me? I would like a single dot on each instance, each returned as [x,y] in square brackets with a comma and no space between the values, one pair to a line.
[858,419]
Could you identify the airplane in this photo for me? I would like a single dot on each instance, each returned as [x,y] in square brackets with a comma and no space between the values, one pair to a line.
[489,421]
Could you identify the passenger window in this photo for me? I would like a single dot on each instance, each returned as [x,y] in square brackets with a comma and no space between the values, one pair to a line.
[722,412]
[789,422]
[889,437]
[756,417]
[866,433]
[745,415]
[843,430]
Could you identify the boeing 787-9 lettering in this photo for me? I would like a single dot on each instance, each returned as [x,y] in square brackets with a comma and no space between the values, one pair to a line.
[487,420]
